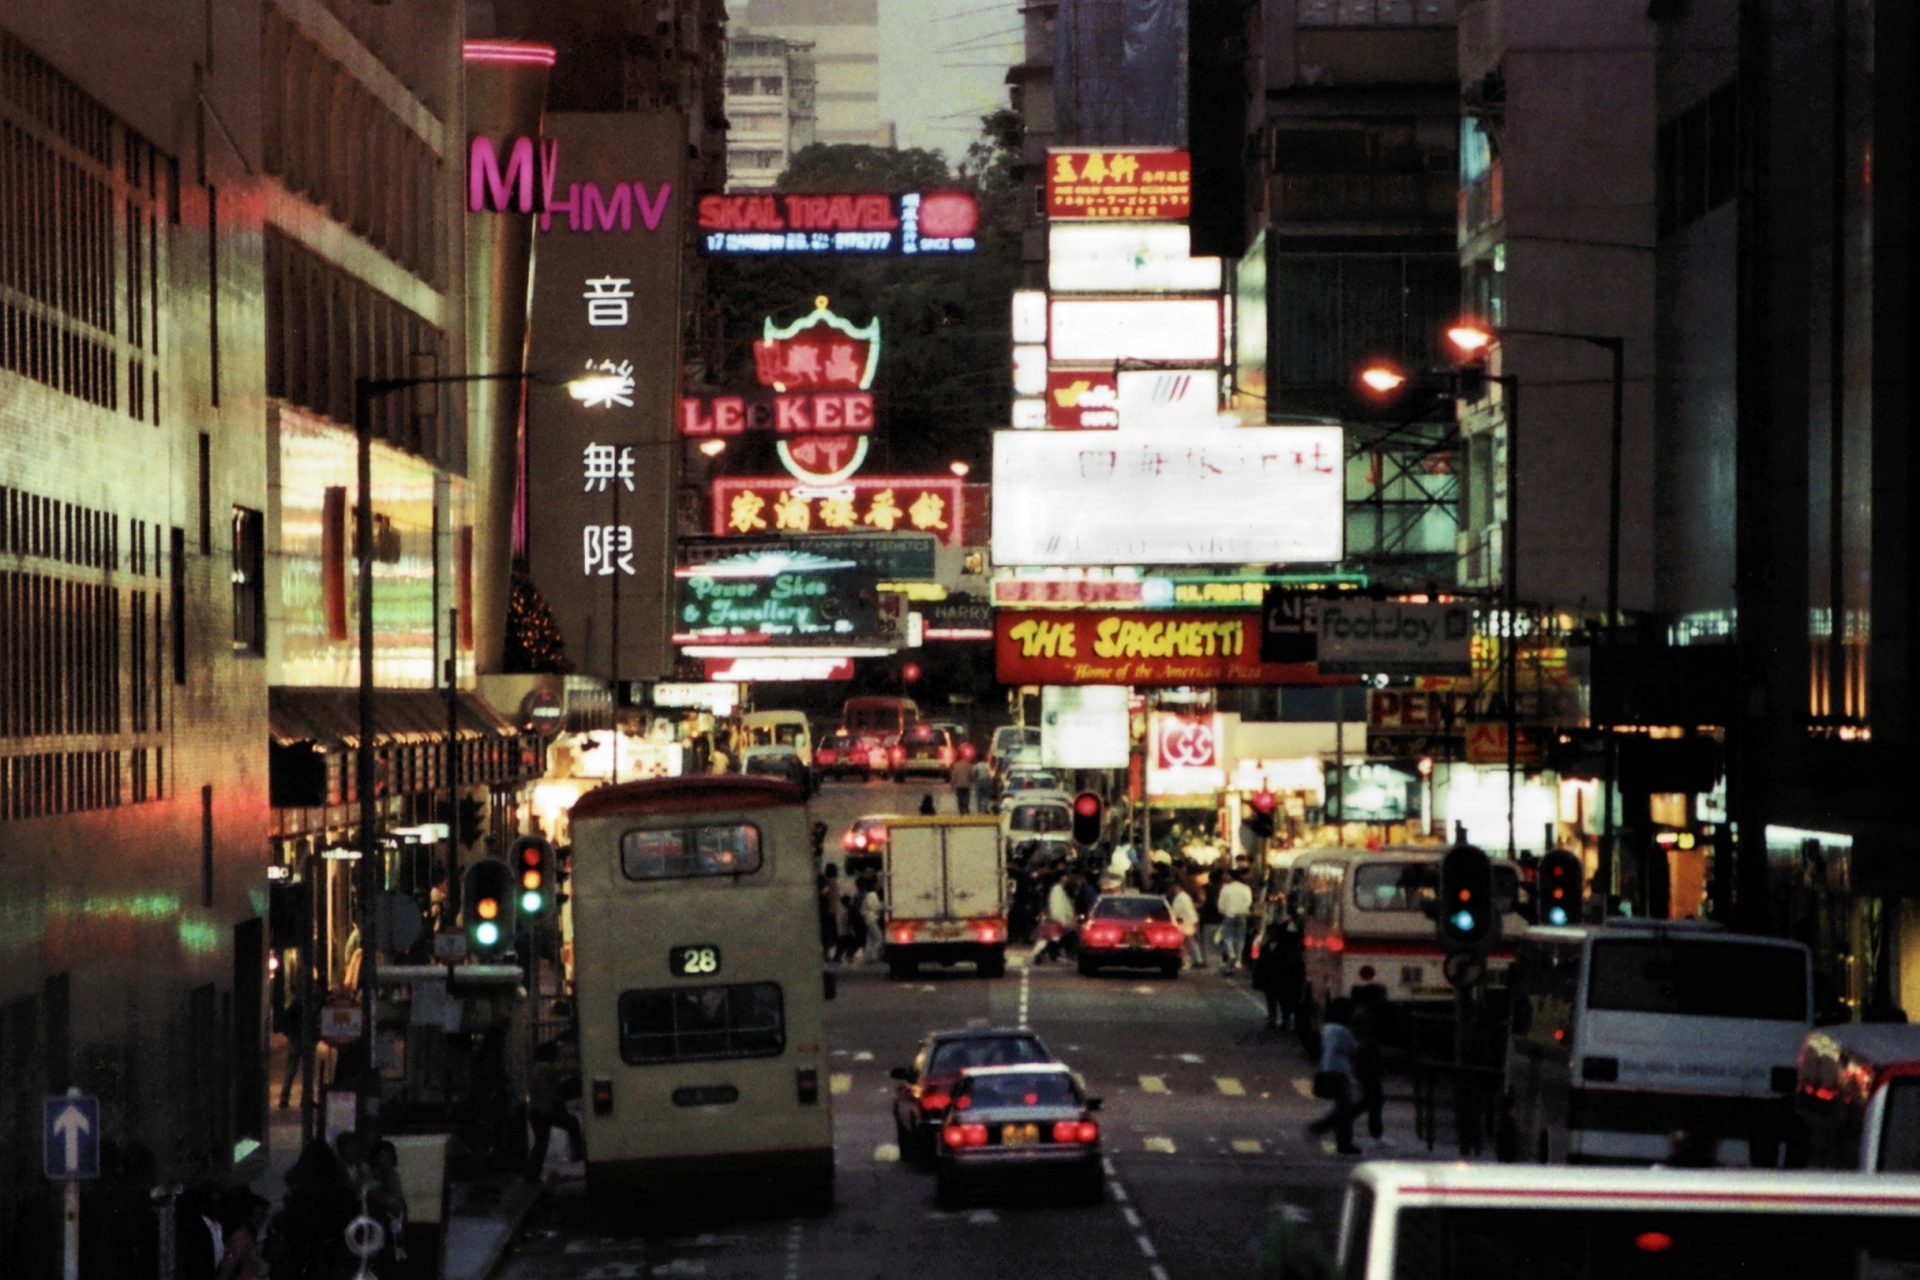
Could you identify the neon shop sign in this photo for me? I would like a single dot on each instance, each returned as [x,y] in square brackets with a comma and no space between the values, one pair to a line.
[526,185]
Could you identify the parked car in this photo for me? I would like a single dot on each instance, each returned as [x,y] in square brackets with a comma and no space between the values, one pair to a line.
[924,1090]
[1017,1126]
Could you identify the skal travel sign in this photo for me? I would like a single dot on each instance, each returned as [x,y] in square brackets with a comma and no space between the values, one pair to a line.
[934,222]
[1134,647]
[758,599]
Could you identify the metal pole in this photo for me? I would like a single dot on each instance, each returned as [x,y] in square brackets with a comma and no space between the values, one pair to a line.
[1509,649]
[1607,869]
[613,658]
[369,866]
[70,1216]
[447,904]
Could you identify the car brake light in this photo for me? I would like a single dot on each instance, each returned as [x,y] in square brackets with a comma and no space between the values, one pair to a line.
[1102,935]
[1336,944]
[934,1102]
[964,1135]
[852,840]
[989,931]
[1076,1131]
[946,755]
[1166,935]
[823,756]
[900,934]
[967,751]
[899,753]
[877,837]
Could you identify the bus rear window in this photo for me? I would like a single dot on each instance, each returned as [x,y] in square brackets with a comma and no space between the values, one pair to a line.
[691,1024]
[1698,979]
[1447,1243]
[729,849]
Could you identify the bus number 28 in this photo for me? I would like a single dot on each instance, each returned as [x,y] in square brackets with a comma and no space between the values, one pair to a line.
[699,961]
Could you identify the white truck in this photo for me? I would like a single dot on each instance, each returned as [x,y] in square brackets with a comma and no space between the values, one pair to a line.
[945,885]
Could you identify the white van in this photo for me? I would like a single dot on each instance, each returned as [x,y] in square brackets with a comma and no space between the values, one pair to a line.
[779,729]
[1439,1221]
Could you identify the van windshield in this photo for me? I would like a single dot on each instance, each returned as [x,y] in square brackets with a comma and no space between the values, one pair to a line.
[885,718]
[1411,886]
[1451,1243]
[1698,978]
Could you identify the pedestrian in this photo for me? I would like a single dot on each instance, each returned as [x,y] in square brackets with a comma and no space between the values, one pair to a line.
[1208,900]
[387,1200]
[199,1241]
[1369,1067]
[831,911]
[549,1088]
[1057,927]
[980,781]
[873,916]
[1335,1080]
[293,1025]
[1289,969]
[1180,905]
[853,930]
[308,1241]
[962,776]
[1267,972]
[1235,902]
[927,809]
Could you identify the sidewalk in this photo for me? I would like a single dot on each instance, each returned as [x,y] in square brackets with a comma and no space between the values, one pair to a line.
[485,1213]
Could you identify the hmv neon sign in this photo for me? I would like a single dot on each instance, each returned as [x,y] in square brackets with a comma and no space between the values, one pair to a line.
[525,184]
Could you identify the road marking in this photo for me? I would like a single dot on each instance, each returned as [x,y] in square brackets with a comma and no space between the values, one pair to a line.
[888,1152]
[794,1238]
[863,1056]
[1157,1271]
[929,988]
[1146,1246]
[1230,1087]
[1133,1219]
[1247,1146]
[1303,1087]
[1162,1145]
[1144,991]
[841,1082]
[983,1218]
[1153,1084]
[1026,987]
[1327,1147]
[1192,1059]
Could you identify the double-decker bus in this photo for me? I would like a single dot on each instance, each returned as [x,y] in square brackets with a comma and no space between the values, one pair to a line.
[1628,1033]
[700,993]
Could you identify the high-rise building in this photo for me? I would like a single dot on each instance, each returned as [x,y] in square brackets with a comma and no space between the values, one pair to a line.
[770,108]
[844,37]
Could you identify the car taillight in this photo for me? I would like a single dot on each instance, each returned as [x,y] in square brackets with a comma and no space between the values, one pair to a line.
[964,1135]
[1076,1131]
[1102,935]
[824,755]
[902,934]
[968,751]
[989,931]
[852,840]
[934,1102]
[946,755]
[1166,935]
[1336,944]
[876,837]
[899,753]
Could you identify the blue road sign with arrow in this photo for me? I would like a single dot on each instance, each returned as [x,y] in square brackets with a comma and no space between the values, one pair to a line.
[73,1136]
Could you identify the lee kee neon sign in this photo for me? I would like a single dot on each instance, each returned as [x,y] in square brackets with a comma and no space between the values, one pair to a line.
[791,413]
[526,185]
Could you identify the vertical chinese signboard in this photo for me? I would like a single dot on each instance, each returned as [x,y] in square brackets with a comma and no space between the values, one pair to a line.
[601,458]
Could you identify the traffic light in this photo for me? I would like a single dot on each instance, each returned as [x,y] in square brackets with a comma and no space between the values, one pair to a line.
[1086,819]
[532,861]
[1467,915]
[1560,888]
[488,908]
[470,821]
[1262,820]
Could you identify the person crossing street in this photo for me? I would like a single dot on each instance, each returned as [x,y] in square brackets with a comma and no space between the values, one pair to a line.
[1235,902]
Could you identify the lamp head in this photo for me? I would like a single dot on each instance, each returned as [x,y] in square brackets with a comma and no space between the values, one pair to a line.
[1382,378]
[1470,338]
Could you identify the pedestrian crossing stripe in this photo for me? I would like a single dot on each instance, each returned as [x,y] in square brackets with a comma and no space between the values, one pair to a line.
[1153,1084]
[841,1082]
[886,1153]
[1303,1087]
[1163,1146]
[1230,1087]
[1247,1146]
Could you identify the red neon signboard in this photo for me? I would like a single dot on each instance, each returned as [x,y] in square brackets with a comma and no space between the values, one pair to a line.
[1129,182]
[1083,399]
[744,505]
[788,413]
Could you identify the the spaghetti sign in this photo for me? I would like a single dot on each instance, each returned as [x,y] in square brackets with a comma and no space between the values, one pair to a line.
[1136,647]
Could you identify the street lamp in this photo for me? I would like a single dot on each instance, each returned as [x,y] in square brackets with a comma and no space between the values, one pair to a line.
[371,868]
[1472,335]
[1464,383]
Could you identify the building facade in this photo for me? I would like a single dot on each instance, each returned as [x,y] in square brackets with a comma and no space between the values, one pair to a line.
[770,108]
[845,39]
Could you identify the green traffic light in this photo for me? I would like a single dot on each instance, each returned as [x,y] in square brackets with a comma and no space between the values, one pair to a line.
[531,903]
[486,933]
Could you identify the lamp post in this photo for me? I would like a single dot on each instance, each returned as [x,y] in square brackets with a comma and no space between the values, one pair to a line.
[365,392]
[1461,384]
[1615,347]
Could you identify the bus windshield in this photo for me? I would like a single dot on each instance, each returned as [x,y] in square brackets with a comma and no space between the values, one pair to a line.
[1698,978]
[1450,1243]
[1411,886]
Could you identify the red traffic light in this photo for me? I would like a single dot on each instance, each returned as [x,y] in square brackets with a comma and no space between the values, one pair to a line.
[1087,805]
[1264,801]
[1087,822]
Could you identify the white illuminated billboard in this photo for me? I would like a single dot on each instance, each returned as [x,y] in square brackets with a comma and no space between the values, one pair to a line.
[1029,315]
[1029,370]
[1084,726]
[1181,494]
[1095,331]
[1029,415]
[1159,397]
[1119,257]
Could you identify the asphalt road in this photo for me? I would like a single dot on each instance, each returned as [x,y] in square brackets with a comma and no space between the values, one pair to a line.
[1202,1123]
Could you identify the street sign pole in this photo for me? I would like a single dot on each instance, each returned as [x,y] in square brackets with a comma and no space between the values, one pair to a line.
[71,1142]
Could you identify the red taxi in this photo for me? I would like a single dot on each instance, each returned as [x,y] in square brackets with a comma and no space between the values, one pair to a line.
[1131,929]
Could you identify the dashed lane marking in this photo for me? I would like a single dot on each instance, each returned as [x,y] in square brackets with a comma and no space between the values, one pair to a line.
[1133,1219]
[888,1153]
[1191,1059]
[795,1237]
[1230,1087]
[1026,988]
[1154,1084]
[1163,1146]
[1145,990]
[863,1056]
[841,1082]
[1157,1271]
[1247,1146]
[1146,1246]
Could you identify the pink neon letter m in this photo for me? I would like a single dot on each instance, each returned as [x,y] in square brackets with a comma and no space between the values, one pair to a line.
[488,191]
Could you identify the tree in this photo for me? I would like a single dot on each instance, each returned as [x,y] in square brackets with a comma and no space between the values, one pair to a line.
[944,375]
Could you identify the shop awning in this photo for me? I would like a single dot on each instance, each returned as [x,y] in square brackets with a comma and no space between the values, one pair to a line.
[330,718]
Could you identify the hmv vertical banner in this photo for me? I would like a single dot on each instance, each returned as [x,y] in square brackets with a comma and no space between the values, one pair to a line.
[601,451]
